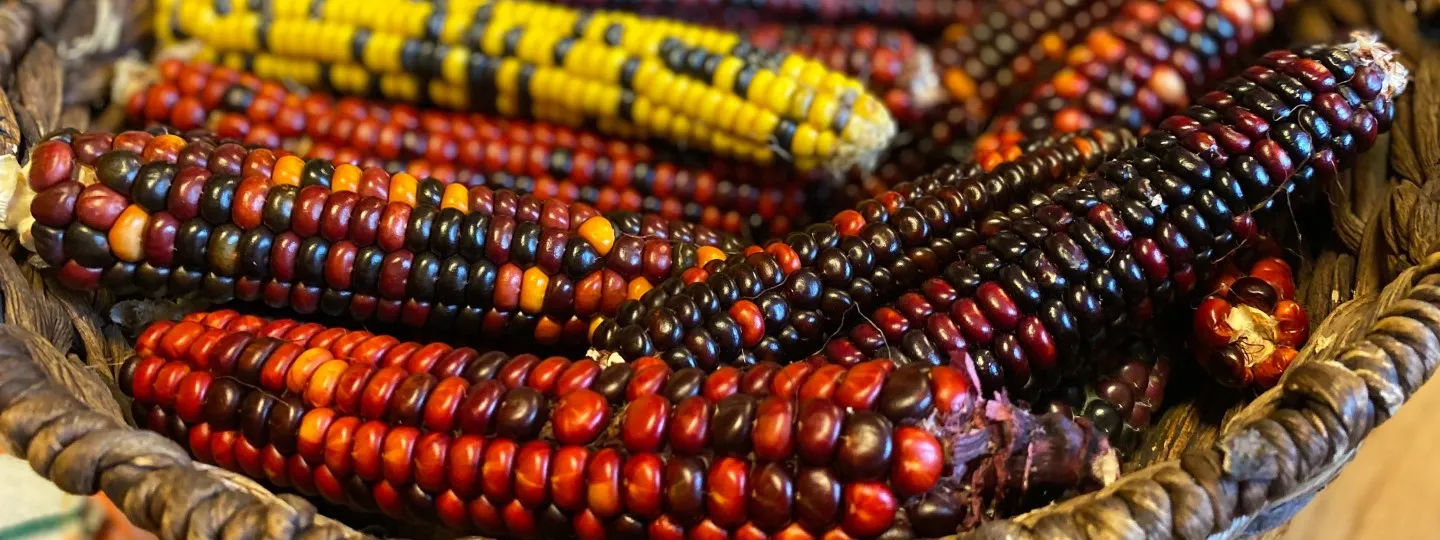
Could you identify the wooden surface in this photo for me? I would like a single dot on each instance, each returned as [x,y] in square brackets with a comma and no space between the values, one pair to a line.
[1391,489]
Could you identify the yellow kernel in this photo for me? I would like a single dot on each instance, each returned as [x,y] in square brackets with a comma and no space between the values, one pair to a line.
[345,178]
[705,254]
[127,234]
[403,187]
[456,196]
[680,128]
[825,144]
[745,123]
[792,66]
[532,290]
[642,112]
[726,116]
[637,288]
[709,106]
[662,120]
[287,171]
[822,110]
[778,98]
[803,144]
[725,73]
[765,124]
[508,76]
[600,233]
[675,97]
[812,74]
[759,85]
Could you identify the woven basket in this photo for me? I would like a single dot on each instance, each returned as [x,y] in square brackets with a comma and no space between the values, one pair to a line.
[1371,281]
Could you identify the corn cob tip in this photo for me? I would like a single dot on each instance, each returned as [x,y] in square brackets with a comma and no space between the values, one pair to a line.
[922,80]
[15,196]
[1105,469]
[862,153]
[1367,49]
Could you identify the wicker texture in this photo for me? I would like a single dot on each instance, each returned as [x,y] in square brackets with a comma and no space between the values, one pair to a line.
[1372,288]
[151,478]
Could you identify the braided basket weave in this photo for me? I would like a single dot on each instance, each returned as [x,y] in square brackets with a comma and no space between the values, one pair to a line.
[1371,281]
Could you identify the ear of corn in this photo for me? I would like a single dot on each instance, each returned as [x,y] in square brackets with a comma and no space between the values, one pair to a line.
[508,445]
[781,303]
[1142,66]
[1025,300]
[990,63]
[622,73]
[316,236]
[1129,70]
[547,159]
[137,213]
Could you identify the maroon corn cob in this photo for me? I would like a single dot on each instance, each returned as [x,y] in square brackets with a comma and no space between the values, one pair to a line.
[917,15]
[1119,391]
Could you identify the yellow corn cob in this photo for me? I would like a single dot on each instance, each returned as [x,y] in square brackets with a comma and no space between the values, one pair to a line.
[622,73]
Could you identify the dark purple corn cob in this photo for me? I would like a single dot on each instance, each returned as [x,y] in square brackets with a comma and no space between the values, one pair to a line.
[1118,392]
[1106,254]
[916,15]
[861,259]
[1130,238]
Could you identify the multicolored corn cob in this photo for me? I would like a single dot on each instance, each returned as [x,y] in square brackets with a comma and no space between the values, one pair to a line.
[778,304]
[555,161]
[1129,72]
[166,215]
[1127,240]
[504,444]
[1141,67]
[888,60]
[987,64]
[625,74]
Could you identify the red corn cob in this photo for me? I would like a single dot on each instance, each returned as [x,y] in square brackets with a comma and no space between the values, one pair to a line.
[1129,72]
[863,257]
[1249,328]
[397,434]
[469,148]
[1067,258]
